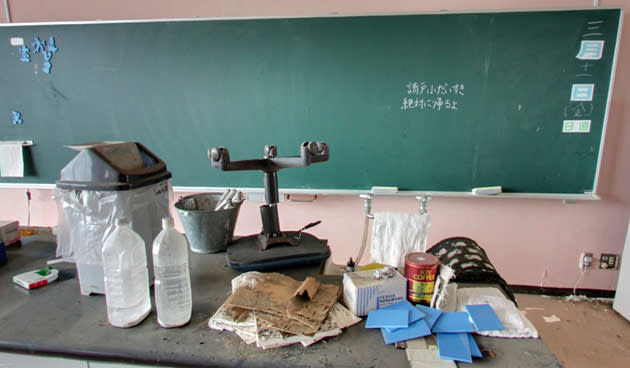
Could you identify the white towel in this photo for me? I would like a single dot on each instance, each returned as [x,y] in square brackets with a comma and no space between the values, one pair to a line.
[11,159]
[396,234]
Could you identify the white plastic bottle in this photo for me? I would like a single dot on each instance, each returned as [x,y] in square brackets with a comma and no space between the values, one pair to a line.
[126,276]
[173,299]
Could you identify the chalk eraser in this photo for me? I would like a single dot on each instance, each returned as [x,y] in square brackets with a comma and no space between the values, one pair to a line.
[384,190]
[487,190]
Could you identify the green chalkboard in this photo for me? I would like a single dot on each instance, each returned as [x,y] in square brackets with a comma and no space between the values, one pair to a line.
[423,102]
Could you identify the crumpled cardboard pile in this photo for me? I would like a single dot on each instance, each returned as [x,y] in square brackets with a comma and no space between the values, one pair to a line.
[275,310]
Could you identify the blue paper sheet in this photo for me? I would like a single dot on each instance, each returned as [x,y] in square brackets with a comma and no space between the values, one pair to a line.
[454,346]
[484,318]
[474,349]
[431,315]
[414,315]
[453,322]
[415,330]
[391,318]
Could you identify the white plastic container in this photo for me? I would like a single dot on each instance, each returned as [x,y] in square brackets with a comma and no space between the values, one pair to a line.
[126,276]
[173,300]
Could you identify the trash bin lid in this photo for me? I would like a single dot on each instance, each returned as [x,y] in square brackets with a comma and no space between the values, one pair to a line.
[112,166]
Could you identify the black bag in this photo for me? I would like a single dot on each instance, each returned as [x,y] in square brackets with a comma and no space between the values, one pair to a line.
[469,262]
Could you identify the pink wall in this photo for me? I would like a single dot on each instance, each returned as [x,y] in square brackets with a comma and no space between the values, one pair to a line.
[531,242]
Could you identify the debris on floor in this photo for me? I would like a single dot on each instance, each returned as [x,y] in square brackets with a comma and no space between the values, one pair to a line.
[551,319]
[576,298]
[589,334]
[275,310]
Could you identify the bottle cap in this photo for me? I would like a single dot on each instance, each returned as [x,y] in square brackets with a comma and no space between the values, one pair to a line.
[167,222]
[121,221]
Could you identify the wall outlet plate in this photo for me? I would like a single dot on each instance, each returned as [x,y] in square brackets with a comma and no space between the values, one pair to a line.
[608,261]
[585,261]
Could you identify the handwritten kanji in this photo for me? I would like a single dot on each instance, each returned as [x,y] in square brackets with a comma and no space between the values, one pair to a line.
[38,45]
[25,55]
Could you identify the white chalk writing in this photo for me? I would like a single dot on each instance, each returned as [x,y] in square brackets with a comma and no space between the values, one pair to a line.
[432,96]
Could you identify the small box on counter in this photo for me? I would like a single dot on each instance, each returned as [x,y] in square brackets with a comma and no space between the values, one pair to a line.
[3,254]
[9,232]
[363,292]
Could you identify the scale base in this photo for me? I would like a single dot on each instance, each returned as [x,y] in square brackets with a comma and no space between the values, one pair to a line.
[244,254]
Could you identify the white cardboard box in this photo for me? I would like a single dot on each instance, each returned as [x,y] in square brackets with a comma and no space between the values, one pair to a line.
[9,232]
[362,293]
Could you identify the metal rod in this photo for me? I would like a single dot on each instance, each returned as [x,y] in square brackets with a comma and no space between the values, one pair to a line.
[367,205]
[6,9]
[423,203]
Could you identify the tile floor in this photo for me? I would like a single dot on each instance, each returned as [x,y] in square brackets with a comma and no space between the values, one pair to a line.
[589,333]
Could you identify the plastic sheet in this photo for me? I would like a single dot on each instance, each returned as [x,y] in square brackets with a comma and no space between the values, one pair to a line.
[86,217]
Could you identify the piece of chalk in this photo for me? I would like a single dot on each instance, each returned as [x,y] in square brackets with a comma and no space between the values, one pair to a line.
[487,190]
[384,190]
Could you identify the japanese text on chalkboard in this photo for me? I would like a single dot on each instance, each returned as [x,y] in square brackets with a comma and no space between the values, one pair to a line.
[432,96]
[17,117]
[580,103]
[47,49]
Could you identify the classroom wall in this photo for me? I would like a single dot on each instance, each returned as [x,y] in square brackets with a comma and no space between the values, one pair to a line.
[531,242]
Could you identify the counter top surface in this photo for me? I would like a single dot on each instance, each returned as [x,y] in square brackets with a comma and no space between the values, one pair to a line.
[57,320]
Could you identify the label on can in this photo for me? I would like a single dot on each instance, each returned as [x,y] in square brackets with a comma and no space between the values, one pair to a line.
[420,291]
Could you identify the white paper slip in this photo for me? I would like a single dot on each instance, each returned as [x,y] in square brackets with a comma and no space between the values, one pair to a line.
[11,158]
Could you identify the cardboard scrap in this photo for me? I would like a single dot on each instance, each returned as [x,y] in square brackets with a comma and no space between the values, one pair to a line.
[277,299]
[315,307]
[275,310]
[269,292]
[308,289]
[253,329]
[286,324]
[267,339]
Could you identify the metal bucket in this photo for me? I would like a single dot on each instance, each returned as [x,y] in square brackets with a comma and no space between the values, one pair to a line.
[207,230]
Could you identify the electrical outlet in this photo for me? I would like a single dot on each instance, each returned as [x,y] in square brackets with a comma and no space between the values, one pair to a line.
[608,261]
[585,261]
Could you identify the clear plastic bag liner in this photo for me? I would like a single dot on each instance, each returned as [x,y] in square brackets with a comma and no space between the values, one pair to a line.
[86,217]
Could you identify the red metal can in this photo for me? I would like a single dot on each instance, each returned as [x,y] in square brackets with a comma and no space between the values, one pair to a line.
[421,271]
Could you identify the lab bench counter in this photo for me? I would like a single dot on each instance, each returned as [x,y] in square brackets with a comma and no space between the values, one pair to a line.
[55,320]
